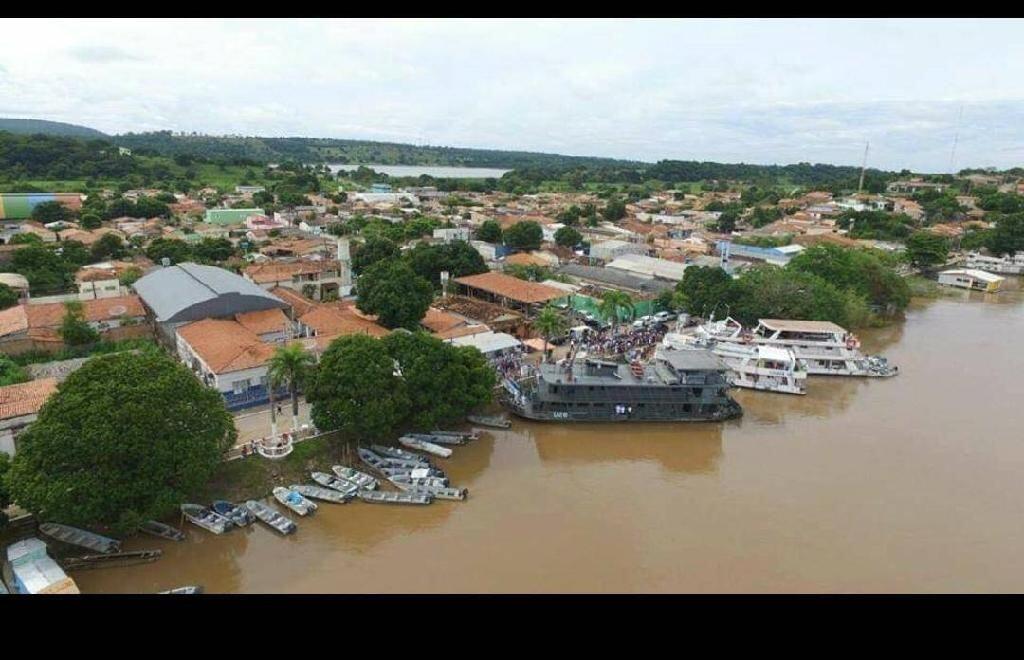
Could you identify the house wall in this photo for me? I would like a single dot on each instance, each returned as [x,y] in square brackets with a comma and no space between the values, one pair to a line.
[99,289]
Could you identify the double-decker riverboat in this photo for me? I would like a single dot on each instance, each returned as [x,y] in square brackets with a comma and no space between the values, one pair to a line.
[674,386]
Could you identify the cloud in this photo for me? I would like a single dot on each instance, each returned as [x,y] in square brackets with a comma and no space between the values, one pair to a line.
[766,91]
[96,54]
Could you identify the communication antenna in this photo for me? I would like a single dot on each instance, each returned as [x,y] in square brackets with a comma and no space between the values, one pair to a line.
[863,167]
[956,138]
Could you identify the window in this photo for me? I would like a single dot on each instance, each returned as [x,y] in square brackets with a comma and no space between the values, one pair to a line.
[240,386]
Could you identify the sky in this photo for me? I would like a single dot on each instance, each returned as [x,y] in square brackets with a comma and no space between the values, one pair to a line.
[755,91]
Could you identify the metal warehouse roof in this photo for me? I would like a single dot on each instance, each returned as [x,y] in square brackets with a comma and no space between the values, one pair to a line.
[190,292]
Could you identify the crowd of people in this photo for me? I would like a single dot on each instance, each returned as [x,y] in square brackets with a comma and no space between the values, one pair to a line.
[508,366]
[633,343]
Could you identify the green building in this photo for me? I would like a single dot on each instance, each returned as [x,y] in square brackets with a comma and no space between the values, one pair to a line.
[230,216]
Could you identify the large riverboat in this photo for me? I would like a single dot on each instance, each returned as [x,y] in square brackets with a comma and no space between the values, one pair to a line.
[674,386]
[751,366]
[825,348]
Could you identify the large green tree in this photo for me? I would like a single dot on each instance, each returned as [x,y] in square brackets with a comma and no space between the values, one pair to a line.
[489,231]
[5,494]
[524,235]
[925,249]
[1007,236]
[356,389]
[459,258]
[109,246]
[568,237]
[375,249]
[11,372]
[393,291]
[862,271]
[74,329]
[177,251]
[127,437]
[703,288]
[46,212]
[443,382]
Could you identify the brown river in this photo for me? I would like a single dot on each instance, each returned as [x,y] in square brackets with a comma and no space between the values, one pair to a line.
[908,484]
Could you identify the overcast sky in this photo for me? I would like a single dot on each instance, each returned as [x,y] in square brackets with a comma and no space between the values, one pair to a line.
[762,91]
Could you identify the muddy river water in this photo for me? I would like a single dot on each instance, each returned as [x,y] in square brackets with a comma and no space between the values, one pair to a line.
[908,484]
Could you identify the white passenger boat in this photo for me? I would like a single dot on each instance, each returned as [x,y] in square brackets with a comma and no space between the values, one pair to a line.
[752,366]
[825,348]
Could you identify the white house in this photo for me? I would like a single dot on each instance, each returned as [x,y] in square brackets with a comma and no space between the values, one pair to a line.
[969,278]
[614,248]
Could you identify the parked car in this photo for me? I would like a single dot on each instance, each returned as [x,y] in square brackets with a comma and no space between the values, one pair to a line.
[663,317]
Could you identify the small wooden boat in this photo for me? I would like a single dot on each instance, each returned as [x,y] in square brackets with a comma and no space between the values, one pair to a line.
[271,518]
[385,497]
[321,493]
[400,457]
[108,560]
[443,439]
[437,493]
[80,537]
[162,530]
[437,490]
[401,480]
[423,445]
[486,420]
[417,473]
[191,589]
[360,479]
[236,514]
[371,459]
[466,437]
[200,516]
[294,501]
[343,486]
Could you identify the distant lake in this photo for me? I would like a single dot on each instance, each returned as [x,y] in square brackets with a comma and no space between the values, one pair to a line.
[438,172]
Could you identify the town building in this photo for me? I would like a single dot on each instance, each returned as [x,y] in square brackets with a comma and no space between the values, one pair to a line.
[36,327]
[969,278]
[19,407]
[230,216]
[189,292]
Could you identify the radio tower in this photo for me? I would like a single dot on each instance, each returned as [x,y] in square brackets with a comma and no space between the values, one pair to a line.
[956,138]
[863,168]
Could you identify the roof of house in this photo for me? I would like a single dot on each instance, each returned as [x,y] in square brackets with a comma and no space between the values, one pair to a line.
[225,345]
[330,321]
[277,271]
[511,287]
[50,315]
[189,292]
[975,273]
[638,263]
[299,303]
[13,320]
[263,321]
[25,398]
[525,259]
[488,342]
[448,326]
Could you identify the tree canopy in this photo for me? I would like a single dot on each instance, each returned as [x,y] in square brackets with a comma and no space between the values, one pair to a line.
[489,231]
[925,249]
[524,235]
[393,291]
[8,297]
[355,389]
[459,258]
[568,237]
[127,437]
[376,248]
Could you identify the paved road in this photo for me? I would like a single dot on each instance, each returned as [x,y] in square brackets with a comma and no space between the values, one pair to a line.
[254,423]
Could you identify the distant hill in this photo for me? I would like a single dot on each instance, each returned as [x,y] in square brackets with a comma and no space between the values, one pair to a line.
[34,126]
[320,150]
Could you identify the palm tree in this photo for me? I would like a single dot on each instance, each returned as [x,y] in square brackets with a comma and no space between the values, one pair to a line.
[289,364]
[612,302]
[549,322]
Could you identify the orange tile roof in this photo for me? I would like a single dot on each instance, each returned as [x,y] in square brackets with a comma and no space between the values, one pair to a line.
[275,271]
[510,287]
[300,304]
[448,326]
[25,398]
[524,259]
[329,321]
[263,321]
[13,320]
[50,315]
[225,345]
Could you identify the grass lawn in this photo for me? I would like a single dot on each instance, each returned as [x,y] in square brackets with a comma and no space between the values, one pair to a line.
[255,477]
